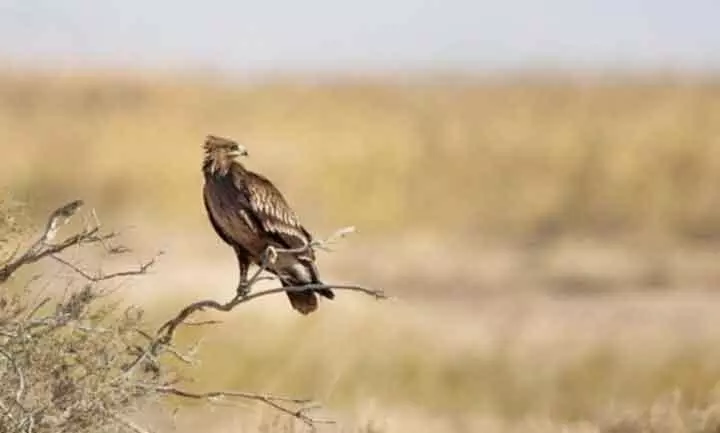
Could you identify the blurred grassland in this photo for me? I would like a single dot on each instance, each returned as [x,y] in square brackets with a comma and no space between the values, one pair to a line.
[518,156]
[586,361]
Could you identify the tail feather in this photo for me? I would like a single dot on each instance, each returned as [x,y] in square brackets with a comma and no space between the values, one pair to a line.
[303,273]
[305,301]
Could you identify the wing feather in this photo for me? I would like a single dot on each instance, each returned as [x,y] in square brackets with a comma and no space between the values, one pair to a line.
[272,211]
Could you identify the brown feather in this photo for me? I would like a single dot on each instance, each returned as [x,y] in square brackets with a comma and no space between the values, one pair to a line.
[273,211]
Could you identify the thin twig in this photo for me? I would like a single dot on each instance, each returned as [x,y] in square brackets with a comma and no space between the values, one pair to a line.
[269,400]
[43,248]
[202,323]
[142,269]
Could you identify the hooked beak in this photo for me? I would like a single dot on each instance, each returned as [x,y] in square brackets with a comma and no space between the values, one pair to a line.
[240,151]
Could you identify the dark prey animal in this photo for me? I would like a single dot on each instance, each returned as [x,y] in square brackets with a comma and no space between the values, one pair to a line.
[250,214]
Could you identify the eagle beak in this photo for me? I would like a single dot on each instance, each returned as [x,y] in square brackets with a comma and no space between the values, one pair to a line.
[240,151]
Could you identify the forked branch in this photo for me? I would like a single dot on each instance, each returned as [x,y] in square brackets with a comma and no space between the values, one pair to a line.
[41,248]
[297,408]
[167,330]
[166,333]
[101,276]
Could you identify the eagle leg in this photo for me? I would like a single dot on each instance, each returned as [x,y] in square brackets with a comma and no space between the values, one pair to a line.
[243,288]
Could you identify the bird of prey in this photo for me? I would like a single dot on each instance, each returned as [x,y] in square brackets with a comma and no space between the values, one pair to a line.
[250,214]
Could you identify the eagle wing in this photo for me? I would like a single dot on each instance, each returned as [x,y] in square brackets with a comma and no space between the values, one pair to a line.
[229,211]
[273,215]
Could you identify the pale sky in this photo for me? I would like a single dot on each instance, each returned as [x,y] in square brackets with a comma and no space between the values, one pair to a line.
[377,35]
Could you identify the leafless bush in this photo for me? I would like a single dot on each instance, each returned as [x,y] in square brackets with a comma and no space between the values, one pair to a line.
[62,354]
[77,362]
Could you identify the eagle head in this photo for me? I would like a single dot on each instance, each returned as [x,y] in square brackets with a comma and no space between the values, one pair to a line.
[220,153]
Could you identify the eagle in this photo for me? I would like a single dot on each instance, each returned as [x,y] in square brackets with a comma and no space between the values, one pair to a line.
[250,214]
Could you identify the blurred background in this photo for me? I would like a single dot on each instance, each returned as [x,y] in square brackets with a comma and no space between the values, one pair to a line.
[537,184]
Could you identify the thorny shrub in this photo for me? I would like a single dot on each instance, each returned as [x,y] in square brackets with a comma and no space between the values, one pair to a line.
[64,352]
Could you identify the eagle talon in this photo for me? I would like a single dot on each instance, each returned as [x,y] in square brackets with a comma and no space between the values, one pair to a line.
[243,289]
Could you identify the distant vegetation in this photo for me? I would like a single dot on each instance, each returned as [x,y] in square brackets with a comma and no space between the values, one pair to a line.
[522,157]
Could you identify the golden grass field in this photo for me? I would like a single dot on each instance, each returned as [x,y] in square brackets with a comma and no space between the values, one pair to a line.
[551,242]
[496,158]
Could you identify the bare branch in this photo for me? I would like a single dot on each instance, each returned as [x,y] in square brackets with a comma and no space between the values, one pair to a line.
[203,323]
[142,269]
[165,334]
[167,331]
[41,248]
[272,401]
[89,235]
[334,238]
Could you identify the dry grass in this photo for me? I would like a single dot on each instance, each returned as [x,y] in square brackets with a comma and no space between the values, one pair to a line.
[519,157]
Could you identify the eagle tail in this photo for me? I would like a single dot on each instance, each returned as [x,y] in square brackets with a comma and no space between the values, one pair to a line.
[305,301]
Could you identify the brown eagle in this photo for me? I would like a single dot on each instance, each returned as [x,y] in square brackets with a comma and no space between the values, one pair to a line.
[250,214]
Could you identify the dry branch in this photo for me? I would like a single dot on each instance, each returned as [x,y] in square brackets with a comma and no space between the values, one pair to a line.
[282,404]
[167,330]
[56,361]
[41,248]
[117,353]
[141,270]
[166,333]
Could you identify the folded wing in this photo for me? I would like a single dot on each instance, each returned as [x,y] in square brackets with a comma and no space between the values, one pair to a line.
[278,224]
